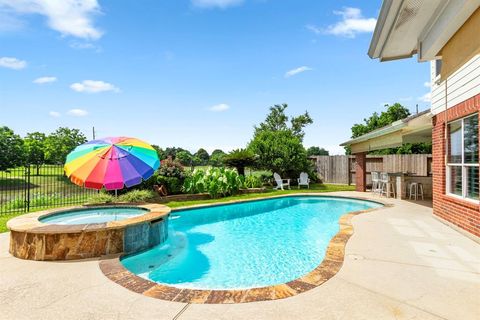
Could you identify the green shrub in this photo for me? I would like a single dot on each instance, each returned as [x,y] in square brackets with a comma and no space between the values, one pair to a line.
[101,197]
[45,200]
[214,181]
[173,184]
[171,168]
[14,204]
[137,196]
[267,178]
[252,182]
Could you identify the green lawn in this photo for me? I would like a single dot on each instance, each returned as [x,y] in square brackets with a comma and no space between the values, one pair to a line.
[179,204]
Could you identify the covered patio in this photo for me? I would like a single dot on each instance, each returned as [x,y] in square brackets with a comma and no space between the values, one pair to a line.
[414,129]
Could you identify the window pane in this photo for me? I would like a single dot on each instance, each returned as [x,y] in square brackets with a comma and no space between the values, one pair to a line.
[472,183]
[456,180]
[470,133]
[455,142]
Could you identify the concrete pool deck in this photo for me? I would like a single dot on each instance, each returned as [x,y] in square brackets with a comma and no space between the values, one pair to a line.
[400,263]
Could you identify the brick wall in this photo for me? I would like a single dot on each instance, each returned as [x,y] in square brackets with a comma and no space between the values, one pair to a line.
[461,213]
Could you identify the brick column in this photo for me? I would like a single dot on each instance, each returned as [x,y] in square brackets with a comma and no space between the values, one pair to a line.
[361,171]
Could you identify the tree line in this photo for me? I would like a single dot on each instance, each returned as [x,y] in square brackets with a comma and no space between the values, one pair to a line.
[276,145]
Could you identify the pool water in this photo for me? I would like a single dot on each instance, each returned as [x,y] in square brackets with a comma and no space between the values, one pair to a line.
[93,215]
[245,245]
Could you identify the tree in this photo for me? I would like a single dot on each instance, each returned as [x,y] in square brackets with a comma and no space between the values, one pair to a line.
[172,152]
[240,159]
[184,157]
[11,149]
[160,152]
[34,144]
[281,152]
[216,158]
[60,143]
[393,113]
[279,146]
[203,155]
[316,151]
[277,120]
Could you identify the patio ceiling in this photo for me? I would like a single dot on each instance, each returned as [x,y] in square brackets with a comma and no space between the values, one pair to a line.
[414,129]
[408,27]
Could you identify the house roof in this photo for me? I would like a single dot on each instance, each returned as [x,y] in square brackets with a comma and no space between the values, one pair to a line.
[416,128]
[423,27]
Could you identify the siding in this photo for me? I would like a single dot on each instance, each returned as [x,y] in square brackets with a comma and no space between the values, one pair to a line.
[461,85]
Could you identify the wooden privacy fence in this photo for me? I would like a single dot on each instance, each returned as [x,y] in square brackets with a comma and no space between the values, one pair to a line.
[341,169]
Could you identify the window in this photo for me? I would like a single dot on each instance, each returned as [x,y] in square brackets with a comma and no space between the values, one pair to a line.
[462,158]
[438,67]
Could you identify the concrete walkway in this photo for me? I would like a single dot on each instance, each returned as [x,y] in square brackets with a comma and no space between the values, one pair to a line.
[401,263]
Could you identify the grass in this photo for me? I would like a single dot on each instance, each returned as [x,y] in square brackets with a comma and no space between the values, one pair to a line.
[180,204]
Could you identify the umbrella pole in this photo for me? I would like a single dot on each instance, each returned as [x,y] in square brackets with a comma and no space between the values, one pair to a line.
[116,195]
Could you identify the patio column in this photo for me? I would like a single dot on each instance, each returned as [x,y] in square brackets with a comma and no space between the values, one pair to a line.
[361,171]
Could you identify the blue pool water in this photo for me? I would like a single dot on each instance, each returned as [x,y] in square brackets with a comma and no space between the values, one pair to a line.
[245,245]
[93,215]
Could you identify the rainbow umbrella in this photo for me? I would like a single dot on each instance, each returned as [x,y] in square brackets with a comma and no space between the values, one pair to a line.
[111,163]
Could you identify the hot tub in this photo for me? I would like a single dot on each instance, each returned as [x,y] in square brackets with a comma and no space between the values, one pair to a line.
[88,231]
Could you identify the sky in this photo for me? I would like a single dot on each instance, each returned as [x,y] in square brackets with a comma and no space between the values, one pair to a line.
[196,73]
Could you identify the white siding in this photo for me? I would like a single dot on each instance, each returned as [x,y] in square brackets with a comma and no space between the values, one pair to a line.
[462,85]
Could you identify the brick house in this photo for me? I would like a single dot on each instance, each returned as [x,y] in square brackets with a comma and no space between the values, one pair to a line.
[446,34]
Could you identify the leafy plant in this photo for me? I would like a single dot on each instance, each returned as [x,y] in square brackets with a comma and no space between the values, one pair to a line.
[171,168]
[214,181]
[101,197]
[173,184]
[252,182]
[137,196]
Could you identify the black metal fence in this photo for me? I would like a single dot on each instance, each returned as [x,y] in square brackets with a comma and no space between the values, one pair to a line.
[35,187]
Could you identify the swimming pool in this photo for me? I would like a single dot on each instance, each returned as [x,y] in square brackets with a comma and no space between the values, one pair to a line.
[245,245]
[93,215]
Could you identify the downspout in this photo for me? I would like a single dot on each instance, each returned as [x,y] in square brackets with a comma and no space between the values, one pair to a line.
[446,135]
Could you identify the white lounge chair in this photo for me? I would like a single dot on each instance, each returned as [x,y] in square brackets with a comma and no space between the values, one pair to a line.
[304,180]
[281,183]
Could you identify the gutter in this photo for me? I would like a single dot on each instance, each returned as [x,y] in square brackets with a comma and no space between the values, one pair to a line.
[382,18]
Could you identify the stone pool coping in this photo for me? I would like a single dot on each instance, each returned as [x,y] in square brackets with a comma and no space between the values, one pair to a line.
[30,223]
[329,267]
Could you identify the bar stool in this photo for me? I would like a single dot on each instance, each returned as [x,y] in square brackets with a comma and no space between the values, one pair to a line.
[386,185]
[416,189]
[376,187]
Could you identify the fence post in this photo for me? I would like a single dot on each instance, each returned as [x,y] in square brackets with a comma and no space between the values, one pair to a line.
[28,187]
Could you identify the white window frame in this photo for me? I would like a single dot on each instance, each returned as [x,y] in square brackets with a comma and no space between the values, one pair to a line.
[462,165]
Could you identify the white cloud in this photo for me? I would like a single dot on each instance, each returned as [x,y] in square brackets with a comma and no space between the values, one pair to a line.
[82,45]
[296,71]
[12,63]
[69,17]
[314,29]
[43,80]
[405,99]
[77,112]
[54,114]
[427,97]
[93,86]
[352,23]
[222,4]
[427,84]
[219,107]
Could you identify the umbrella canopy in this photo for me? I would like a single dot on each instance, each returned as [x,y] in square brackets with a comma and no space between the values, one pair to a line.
[112,163]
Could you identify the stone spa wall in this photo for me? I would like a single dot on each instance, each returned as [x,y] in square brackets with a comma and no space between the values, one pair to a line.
[33,240]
